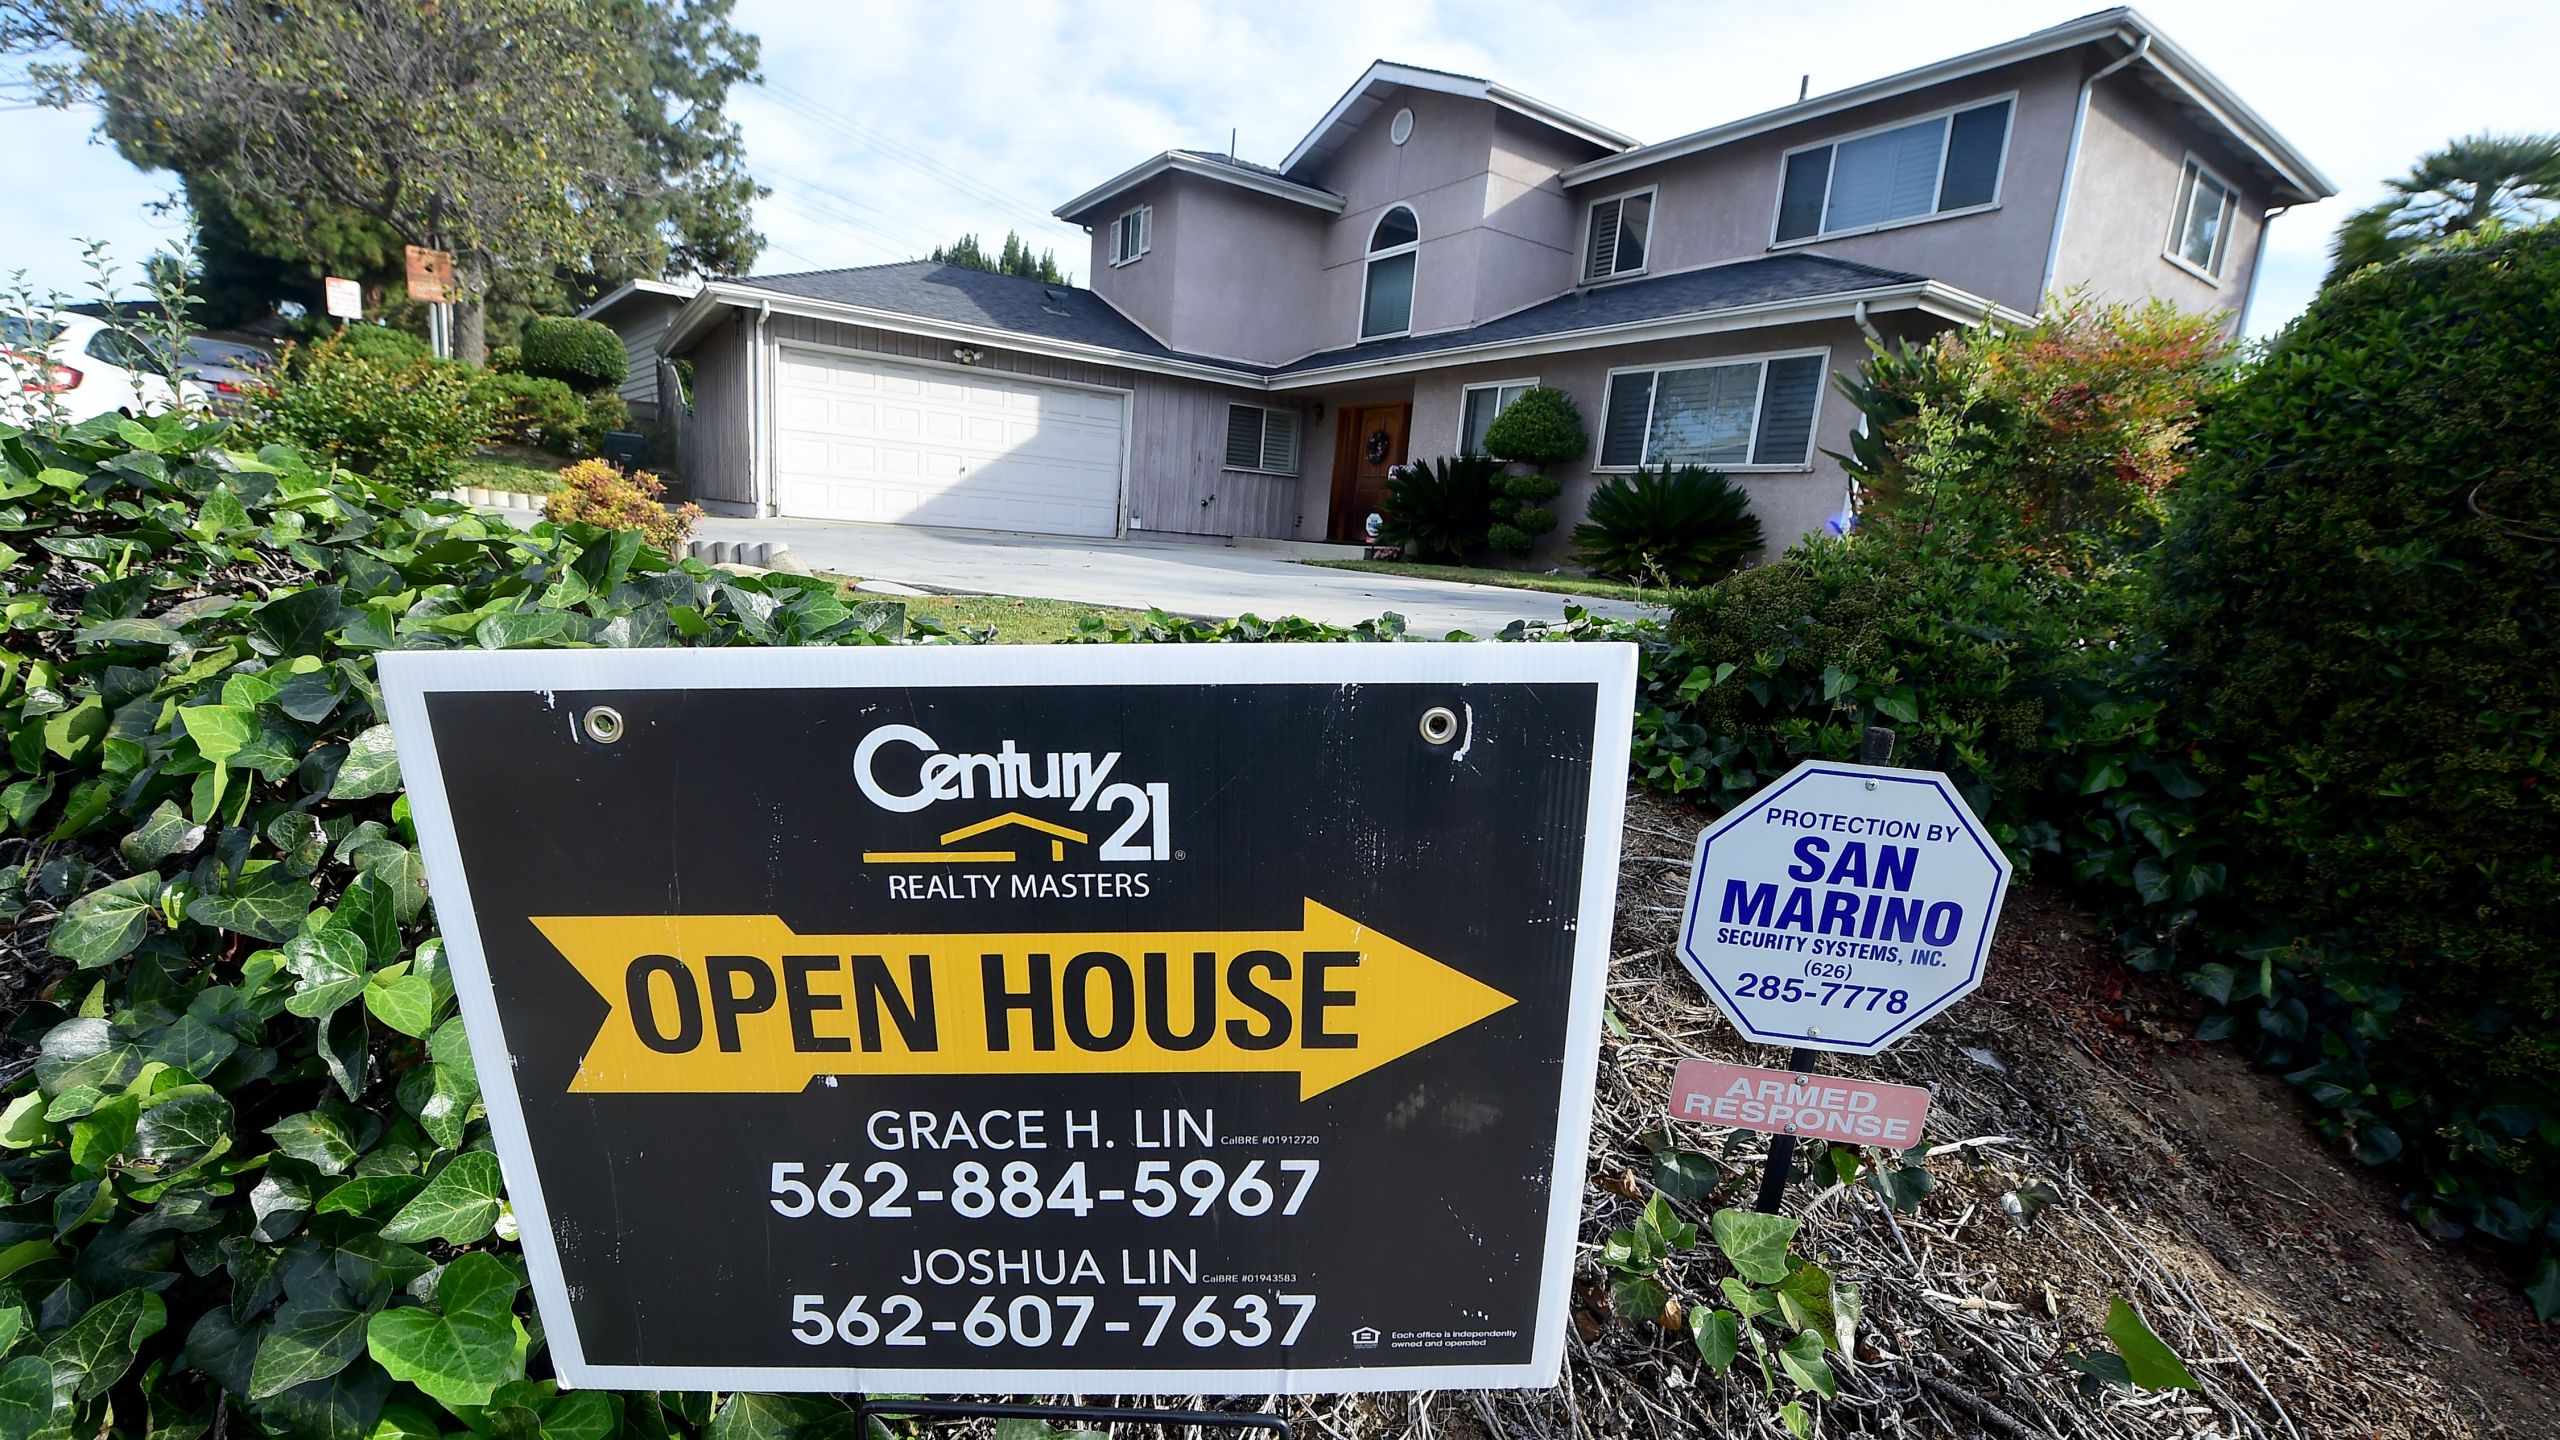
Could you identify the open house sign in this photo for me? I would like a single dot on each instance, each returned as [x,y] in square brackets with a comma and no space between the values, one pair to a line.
[1149,1020]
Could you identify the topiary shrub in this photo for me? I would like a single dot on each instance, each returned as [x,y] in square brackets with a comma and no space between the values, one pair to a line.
[1439,510]
[1541,428]
[585,353]
[594,493]
[2362,611]
[533,410]
[1684,527]
[407,422]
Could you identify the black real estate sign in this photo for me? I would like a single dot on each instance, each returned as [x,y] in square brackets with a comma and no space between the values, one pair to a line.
[1152,1020]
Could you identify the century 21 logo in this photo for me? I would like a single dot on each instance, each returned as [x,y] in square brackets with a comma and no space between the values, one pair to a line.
[1079,777]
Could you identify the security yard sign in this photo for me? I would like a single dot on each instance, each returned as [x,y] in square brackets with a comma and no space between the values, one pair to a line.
[1842,906]
[1162,1019]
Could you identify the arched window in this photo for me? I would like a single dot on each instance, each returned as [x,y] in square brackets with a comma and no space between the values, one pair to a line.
[1386,298]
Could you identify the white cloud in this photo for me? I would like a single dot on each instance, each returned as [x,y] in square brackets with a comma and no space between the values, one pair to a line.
[894,125]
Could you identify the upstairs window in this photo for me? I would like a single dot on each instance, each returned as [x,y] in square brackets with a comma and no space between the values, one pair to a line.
[1483,402]
[1262,439]
[1621,226]
[1731,415]
[1944,164]
[2200,229]
[1132,234]
[1386,294]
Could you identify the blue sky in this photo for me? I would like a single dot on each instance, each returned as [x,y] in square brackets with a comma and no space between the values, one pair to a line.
[893,124]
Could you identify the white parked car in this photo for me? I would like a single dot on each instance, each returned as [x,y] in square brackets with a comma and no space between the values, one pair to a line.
[87,366]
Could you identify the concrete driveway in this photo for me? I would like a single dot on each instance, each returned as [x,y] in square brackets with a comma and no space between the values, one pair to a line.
[1209,580]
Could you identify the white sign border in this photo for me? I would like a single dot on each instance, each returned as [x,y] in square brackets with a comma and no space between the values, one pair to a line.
[1936,780]
[408,677]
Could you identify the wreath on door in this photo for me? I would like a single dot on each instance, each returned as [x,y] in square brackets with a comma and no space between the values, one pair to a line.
[1379,440]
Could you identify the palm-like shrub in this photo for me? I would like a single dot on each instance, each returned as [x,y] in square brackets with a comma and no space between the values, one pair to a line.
[1684,527]
[1440,509]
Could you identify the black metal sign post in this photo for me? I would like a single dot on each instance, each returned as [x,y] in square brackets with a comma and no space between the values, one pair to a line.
[1074,1020]
[1875,748]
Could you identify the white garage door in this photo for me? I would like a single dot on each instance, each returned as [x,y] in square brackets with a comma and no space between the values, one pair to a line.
[869,439]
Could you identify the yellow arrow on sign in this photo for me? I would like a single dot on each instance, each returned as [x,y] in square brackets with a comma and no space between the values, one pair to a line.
[744,1004]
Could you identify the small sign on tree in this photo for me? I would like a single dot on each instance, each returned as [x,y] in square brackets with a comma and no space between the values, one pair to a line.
[430,275]
[343,298]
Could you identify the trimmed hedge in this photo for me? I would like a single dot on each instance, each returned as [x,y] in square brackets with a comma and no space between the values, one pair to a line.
[585,353]
[2362,616]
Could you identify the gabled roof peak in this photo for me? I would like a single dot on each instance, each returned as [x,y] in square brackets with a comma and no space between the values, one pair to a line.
[1369,92]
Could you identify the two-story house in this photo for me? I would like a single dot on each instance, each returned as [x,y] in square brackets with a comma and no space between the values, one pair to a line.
[1261,344]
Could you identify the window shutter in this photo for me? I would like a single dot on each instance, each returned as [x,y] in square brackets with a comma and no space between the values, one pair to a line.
[1702,415]
[1885,177]
[1244,437]
[1146,231]
[1280,441]
[1786,411]
[1120,240]
[1602,261]
[1622,433]
[1973,157]
[1800,205]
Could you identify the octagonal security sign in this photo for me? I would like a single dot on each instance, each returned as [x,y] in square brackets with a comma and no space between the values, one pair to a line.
[1842,906]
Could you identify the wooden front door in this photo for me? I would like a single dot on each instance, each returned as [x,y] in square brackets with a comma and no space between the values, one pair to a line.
[1369,441]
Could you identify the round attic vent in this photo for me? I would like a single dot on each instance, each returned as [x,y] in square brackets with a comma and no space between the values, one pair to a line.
[1401,129]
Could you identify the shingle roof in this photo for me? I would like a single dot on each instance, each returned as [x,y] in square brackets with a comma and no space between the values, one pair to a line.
[960,295]
[1217,159]
[1767,280]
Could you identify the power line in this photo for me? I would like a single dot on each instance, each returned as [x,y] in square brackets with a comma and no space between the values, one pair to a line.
[893,221]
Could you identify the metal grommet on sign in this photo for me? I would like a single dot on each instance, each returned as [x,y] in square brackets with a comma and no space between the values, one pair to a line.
[1439,725]
[602,723]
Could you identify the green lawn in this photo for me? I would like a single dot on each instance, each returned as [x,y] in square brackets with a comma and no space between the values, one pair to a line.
[1513,579]
[512,467]
[1017,622]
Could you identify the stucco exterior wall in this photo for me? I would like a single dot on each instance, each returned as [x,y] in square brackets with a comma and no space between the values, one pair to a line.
[1722,204]
[2124,194]
[1789,503]
[1533,229]
[1144,289]
[1233,261]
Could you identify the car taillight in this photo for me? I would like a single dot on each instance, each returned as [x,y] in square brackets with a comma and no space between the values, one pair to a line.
[57,378]
[227,387]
